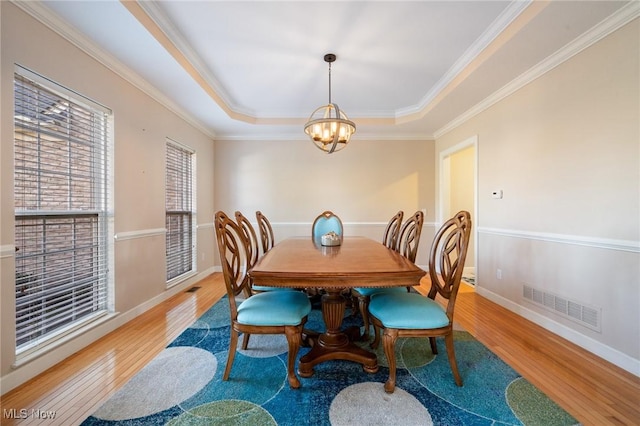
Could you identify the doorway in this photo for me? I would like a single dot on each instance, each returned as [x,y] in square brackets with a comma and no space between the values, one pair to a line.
[458,191]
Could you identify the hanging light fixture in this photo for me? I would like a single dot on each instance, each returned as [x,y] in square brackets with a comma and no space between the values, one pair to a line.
[328,127]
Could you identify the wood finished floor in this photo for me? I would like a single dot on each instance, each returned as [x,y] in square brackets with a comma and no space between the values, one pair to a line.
[594,391]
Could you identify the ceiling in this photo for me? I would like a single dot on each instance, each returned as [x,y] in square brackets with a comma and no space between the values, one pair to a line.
[404,69]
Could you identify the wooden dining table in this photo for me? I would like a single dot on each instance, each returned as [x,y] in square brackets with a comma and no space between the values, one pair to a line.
[303,262]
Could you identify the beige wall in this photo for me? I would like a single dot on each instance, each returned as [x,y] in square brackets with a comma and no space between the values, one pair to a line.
[292,182]
[141,128]
[462,191]
[565,150]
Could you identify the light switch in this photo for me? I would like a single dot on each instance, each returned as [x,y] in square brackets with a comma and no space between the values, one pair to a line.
[496,194]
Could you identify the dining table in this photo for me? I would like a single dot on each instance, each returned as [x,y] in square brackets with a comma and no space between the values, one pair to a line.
[304,263]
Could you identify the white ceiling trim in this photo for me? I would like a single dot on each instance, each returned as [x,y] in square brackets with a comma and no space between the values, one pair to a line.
[603,29]
[609,25]
[497,27]
[250,116]
[69,33]
[165,25]
[199,74]
[301,136]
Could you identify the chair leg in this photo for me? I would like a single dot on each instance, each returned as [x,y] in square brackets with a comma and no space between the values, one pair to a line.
[448,339]
[355,304]
[376,337]
[232,353]
[363,306]
[434,348]
[294,340]
[389,338]
[245,341]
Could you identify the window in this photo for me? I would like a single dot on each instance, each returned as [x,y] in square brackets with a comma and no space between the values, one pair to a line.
[179,210]
[61,154]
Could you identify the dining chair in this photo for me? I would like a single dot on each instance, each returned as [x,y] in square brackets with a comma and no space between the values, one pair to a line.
[408,240]
[414,315]
[271,312]
[254,252]
[266,232]
[392,231]
[326,222]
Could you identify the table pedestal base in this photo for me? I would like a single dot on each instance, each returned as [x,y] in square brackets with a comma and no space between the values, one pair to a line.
[335,343]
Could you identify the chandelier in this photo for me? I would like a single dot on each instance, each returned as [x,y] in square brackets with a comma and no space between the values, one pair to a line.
[328,127]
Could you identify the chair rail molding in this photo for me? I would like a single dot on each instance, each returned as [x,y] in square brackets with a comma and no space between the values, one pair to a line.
[603,243]
[383,224]
[143,233]
[7,250]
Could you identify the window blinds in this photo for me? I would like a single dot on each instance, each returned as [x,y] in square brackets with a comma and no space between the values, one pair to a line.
[179,210]
[61,193]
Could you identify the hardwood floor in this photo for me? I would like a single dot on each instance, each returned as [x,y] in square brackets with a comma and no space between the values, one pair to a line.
[594,391]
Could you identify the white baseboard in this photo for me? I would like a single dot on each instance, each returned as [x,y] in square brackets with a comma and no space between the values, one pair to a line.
[47,360]
[605,352]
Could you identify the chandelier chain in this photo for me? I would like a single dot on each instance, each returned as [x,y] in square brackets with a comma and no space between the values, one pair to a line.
[329,82]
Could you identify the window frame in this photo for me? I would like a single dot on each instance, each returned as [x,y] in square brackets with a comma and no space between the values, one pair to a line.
[89,160]
[187,202]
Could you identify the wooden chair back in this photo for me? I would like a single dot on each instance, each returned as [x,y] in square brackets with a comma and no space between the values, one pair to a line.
[266,232]
[392,231]
[234,257]
[326,222]
[409,237]
[447,257]
[250,236]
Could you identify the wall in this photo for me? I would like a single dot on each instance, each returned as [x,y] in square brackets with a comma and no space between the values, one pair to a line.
[292,182]
[462,192]
[565,149]
[141,128]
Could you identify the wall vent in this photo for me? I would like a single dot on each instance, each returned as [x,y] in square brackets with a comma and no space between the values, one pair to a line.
[587,316]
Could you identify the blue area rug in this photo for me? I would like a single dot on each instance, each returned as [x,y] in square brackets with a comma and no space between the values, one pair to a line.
[183,386]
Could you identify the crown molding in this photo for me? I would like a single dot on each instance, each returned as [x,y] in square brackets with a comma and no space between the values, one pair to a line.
[175,36]
[513,10]
[614,22]
[297,137]
[167,35]
[52,21]
[623,16]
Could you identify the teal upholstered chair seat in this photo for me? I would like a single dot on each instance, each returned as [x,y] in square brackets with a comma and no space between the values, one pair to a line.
[414,315]
[407,311]
[251,312]
[274,308]
[403,238]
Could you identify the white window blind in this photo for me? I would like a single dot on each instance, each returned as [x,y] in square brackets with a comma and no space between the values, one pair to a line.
[61,194]
[179,210]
